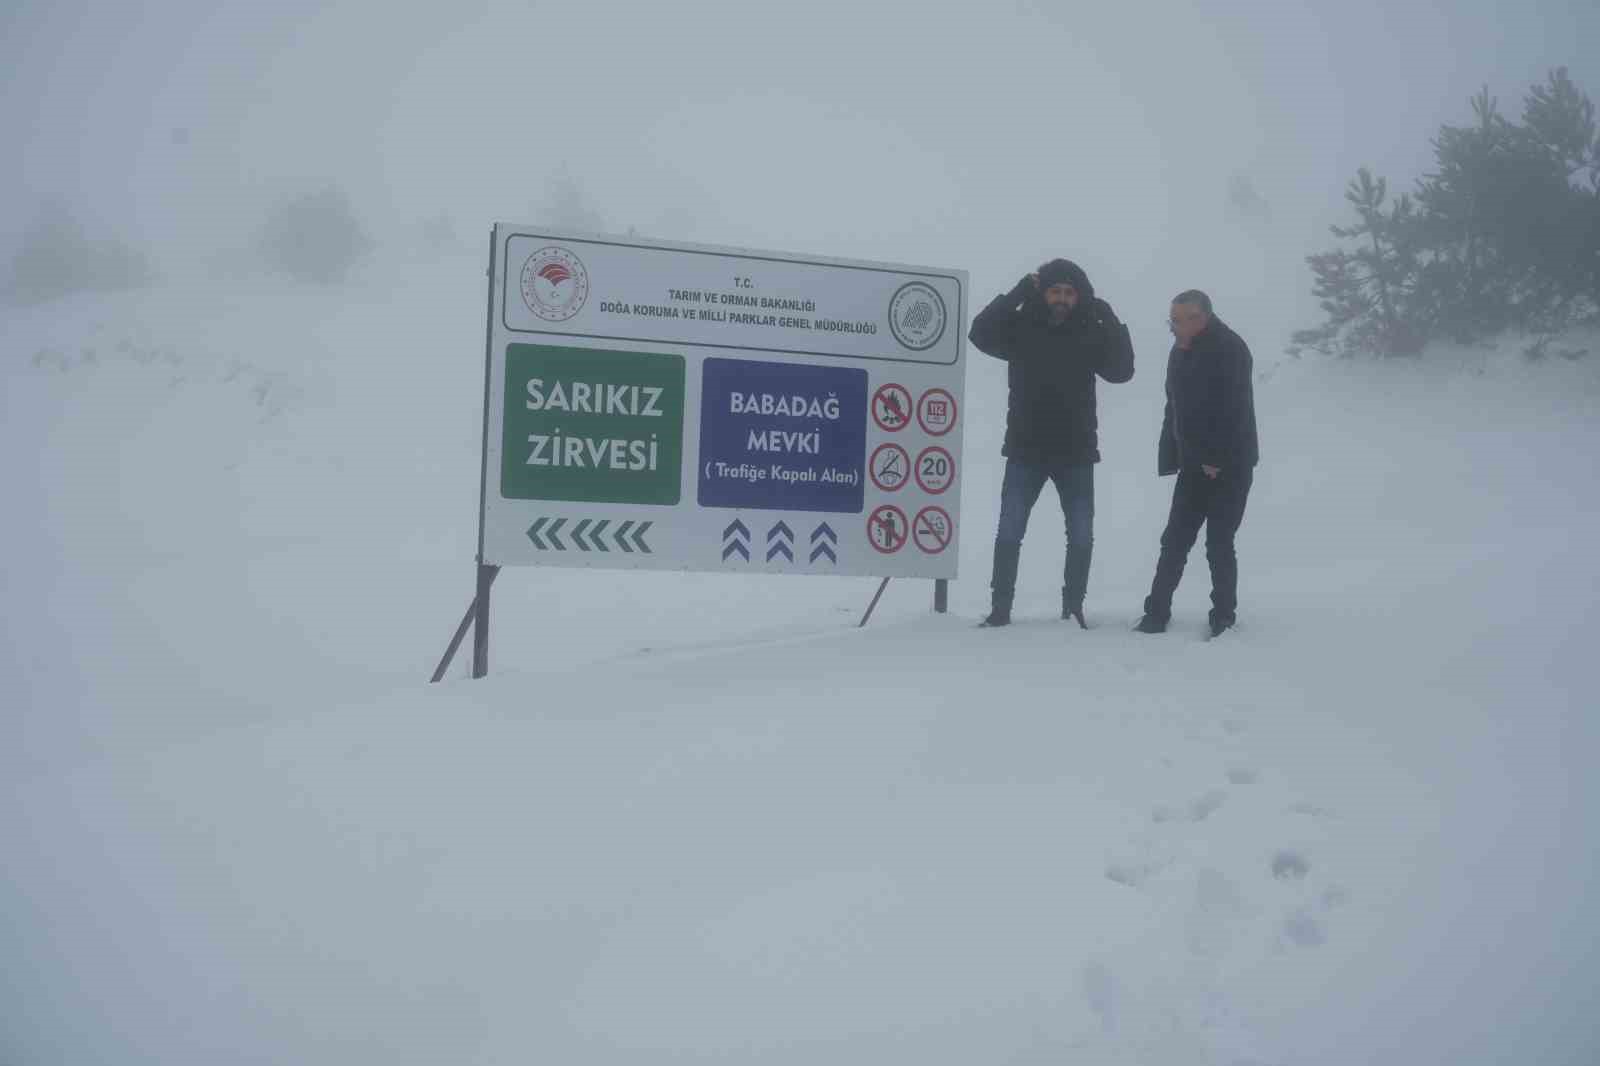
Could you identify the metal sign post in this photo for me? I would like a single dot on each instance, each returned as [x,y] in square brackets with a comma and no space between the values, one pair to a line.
[656,405]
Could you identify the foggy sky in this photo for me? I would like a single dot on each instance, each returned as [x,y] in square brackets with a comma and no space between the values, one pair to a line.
[980,136]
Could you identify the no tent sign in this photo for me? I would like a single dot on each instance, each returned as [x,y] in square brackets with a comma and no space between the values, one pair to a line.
[654,405]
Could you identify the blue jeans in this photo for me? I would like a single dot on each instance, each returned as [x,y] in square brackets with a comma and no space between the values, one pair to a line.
[1020,491]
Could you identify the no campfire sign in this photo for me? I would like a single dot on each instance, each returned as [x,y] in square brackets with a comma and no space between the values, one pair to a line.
[673,406]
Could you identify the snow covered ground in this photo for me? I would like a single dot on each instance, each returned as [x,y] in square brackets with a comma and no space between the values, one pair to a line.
[695,818]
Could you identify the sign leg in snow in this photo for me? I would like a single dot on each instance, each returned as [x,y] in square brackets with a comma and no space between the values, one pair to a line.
[651,405]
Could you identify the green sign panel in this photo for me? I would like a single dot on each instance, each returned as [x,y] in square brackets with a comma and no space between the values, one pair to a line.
[593,426]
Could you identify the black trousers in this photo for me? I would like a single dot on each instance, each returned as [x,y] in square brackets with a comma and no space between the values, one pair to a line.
[1218,504]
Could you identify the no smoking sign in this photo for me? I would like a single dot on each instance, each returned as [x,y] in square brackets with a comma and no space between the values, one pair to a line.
[932,530]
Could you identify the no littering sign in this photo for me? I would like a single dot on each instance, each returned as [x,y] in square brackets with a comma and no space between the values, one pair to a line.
[887,529]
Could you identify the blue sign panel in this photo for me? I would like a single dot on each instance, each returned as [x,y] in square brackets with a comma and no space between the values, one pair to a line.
[782,436]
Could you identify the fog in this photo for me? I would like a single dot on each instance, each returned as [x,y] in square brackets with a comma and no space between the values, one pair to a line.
[1163,145]
[706,812]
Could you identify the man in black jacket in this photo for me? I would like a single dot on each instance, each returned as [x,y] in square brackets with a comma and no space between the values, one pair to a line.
[1208,438]
[1055,336]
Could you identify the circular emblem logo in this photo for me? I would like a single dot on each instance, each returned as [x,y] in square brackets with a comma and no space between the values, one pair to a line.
[917,316]
[555,284]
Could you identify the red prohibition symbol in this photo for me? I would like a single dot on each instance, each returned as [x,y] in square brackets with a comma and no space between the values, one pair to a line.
[932,530]
[890,466]
[887,529]
[936,412]
[891,407]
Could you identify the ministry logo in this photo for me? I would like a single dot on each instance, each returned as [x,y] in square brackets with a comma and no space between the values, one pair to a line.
[917,316]
[555,284]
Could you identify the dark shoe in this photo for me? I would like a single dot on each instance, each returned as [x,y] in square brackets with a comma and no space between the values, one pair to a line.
[1151,624]
[1220,626]
[1003,584]
[1076,614]
[1070,608]
[1075,578]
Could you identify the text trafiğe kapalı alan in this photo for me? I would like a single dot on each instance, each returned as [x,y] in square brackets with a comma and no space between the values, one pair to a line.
[786,475]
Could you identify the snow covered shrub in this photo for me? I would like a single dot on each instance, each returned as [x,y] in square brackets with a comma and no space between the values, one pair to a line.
[58,258]
[315,237]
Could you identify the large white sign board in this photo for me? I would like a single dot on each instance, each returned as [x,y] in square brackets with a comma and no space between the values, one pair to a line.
[672,406]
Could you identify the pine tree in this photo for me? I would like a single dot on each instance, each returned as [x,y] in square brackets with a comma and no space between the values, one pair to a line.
[1503,234]
[1463,204]
[1370,293]
[1561,243]
[1561,121]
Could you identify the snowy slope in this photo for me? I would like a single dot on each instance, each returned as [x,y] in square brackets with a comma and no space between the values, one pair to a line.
[694,817]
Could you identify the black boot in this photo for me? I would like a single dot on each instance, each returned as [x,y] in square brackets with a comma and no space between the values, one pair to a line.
[1224,584]
[1075,581]
[1003,586]
[1151,623]
[1158,605]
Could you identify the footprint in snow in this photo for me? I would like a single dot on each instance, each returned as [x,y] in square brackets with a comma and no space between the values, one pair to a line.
[1207,805]
[1302,930]
[1217,916]
[1134,874]
[1104,994]
[1198,811]
[1290,866]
